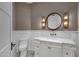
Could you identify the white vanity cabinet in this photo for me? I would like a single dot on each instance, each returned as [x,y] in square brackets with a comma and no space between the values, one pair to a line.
[45,49]
[53,48]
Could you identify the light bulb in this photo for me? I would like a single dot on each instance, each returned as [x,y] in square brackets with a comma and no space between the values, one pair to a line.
[43,24]
[65,17]
[65,23]
[43,20]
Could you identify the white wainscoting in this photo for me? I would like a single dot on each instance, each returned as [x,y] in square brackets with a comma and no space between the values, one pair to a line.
[5,28]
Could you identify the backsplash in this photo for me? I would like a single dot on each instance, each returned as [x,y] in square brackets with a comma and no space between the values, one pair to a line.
[60,34]
[25,35]
[20,35]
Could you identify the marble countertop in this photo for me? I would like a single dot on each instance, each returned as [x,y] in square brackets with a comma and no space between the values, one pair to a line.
[55,40]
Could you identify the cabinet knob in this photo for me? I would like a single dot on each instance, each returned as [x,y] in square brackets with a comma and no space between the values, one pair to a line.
[66,53]
[37,53]
[37,46]
[49,47]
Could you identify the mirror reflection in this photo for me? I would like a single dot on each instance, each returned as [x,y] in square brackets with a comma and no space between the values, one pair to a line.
[54,21]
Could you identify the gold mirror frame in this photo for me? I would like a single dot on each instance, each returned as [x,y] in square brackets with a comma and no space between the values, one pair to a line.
[46,22]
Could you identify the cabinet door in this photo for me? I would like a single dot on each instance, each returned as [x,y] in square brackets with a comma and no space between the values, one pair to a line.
[68,52]
[54,51]
[36,47]
[43,51]
[47,50]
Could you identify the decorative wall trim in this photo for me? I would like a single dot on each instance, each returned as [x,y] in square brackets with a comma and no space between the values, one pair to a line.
[5,12]
[5,52]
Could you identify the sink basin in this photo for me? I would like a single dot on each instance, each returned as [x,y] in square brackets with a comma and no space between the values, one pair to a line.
[55,40]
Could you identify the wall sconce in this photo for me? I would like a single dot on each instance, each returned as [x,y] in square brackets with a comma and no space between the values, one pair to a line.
[66,20]
[43,22]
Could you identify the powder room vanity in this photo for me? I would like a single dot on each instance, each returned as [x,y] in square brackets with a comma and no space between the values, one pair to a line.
[53,47]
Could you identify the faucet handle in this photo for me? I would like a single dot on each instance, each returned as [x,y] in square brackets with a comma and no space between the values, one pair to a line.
[55,33]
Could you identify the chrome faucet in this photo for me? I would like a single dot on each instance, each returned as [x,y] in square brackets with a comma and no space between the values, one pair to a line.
[52,34]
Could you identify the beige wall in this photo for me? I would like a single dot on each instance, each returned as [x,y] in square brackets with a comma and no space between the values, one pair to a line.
[29,16]
[44,8]
[22,16]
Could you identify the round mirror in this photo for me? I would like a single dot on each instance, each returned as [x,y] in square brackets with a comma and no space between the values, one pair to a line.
[53,21]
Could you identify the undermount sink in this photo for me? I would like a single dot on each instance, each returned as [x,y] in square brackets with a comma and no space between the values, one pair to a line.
[55,40]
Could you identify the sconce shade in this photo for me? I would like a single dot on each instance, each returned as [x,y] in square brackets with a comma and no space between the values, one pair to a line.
[66,24]
[65,17]
[43,22]
[43,19]
[66,20]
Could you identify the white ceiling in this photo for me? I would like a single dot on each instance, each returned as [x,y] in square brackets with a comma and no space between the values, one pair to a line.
[29,2]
